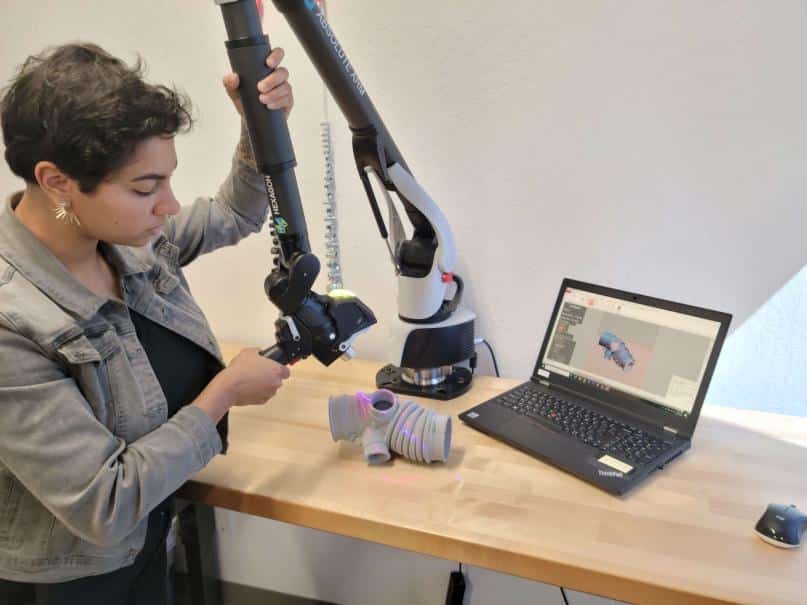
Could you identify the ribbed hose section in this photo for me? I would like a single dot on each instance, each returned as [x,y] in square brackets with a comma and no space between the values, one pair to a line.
[420,434]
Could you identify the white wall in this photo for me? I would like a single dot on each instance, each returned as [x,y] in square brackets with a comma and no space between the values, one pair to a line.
[324,566]
[762,364]
[649,145]
[342,570]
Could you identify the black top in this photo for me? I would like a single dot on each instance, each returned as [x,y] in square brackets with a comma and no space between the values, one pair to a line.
[182,368]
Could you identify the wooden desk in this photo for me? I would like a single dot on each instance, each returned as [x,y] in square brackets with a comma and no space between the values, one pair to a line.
[684,536]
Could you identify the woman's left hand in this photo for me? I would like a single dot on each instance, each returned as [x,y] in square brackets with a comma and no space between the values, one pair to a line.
[275,90]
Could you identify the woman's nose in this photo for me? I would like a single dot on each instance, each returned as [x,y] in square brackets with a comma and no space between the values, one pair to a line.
[167,205]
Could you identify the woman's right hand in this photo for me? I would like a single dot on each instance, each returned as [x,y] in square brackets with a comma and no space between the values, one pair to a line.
[249,380]
[252,379]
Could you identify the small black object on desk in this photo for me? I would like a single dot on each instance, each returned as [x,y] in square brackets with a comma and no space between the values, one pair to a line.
[782,525]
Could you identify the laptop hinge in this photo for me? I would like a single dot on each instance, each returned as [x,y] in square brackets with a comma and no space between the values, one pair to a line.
[669,429]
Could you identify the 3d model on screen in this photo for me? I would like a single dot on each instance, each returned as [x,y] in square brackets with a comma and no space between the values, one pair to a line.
[614,348]
[386,424]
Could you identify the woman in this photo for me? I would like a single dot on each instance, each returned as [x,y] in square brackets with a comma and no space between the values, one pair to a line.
[111,382]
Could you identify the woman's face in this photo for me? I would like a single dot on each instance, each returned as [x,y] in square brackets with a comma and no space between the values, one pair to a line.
[131,206]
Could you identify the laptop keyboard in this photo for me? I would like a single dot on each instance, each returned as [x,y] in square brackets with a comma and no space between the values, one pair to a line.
[608,435]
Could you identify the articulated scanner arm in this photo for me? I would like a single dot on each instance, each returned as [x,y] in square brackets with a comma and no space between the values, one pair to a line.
[325,326]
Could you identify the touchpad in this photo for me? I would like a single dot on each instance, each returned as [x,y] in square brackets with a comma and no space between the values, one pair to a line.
[535,436]
[489,415]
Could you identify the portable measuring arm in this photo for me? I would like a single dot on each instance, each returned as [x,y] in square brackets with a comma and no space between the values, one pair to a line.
[434,332]
[311,324]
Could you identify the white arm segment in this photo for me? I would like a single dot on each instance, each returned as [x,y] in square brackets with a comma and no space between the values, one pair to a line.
[421,297]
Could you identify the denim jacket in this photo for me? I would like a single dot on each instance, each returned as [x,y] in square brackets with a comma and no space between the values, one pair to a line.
[86,450]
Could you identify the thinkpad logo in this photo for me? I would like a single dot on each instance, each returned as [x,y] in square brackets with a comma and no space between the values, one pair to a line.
[609,473]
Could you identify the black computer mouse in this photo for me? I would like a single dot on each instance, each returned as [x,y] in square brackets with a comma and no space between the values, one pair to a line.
[782,525]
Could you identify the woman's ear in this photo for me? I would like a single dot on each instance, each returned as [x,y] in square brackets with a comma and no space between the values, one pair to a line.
[55,183]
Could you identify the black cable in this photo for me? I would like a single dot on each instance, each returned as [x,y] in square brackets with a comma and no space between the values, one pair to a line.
[493,357]
[563,592]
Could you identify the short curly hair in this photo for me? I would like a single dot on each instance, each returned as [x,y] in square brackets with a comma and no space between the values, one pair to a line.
[84,110]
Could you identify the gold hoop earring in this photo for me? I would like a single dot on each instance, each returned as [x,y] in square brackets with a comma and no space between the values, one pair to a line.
[63,213]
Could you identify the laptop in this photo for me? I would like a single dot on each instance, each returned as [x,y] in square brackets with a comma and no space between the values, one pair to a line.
[617,388]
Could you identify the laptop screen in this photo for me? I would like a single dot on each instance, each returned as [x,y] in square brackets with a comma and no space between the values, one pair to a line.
[656,355]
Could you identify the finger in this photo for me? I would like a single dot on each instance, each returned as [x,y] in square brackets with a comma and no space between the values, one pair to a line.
[279,370]
[276,95]
[275,57]
[273,80]
[231,82]
[277,98]
[276,380]
[283,103]
[289,103]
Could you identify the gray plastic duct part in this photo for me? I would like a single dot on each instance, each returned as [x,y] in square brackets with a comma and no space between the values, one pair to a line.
[385,424]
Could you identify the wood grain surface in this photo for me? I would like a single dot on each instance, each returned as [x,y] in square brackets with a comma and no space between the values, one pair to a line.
[683,536]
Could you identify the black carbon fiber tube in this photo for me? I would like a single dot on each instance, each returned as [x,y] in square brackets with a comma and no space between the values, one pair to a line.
[372,143]
[308,22]
[247,48]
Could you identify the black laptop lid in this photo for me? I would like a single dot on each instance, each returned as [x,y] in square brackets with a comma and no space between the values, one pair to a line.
[650,358]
